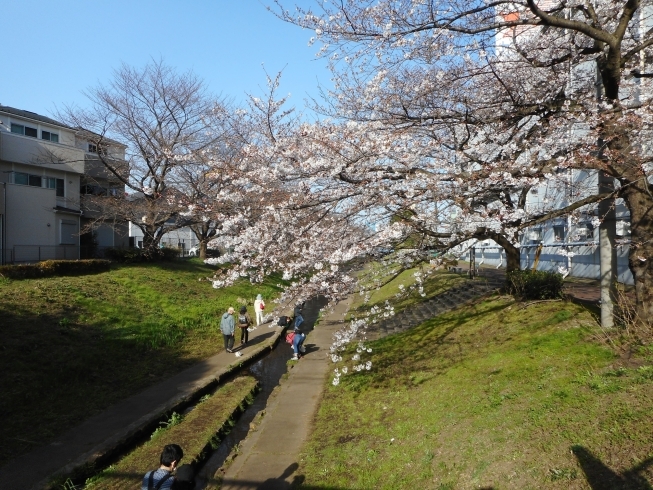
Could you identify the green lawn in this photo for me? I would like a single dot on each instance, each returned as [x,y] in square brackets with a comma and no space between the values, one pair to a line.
[495,395]
[74,345]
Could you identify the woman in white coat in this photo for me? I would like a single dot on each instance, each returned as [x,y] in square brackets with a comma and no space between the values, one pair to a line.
[259,306]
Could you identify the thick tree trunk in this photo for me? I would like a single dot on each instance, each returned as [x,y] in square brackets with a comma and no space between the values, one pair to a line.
[204,232]
[513,254]
[150,241]
[202,249]
[640,257]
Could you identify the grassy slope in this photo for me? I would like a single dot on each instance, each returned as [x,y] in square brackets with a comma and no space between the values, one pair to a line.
[374,274]
[74,345]
[490,396]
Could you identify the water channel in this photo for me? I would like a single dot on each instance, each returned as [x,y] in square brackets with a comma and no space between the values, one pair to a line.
[269,372]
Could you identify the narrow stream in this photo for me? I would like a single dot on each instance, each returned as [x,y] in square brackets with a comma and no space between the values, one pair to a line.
[268,371]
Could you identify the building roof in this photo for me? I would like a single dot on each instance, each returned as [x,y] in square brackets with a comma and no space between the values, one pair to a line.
[38,117]
[32,115]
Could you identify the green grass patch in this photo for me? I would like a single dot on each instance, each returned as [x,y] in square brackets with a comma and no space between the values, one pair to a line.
[197,433]
[494,395]
[385,283]
[72,346]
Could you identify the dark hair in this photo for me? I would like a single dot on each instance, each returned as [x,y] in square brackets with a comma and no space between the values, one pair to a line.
[172,452]
[243,309]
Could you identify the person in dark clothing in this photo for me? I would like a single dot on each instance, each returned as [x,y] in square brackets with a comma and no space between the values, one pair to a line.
[162,478]
[244,322]
[285,321]
[299,319]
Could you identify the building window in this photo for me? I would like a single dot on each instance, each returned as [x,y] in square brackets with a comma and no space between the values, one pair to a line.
[59,187]
[559,233]
[99,149]
[47,135]
[535,235]
[21,178]
[35,181]
[50,182]
[24,130]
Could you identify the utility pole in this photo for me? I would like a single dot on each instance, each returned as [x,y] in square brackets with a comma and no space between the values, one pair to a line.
[607,255]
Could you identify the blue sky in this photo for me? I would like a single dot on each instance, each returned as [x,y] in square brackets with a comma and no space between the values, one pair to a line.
[54,50]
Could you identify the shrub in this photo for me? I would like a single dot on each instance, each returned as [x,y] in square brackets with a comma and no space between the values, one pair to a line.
[169,253]
[132,255]
[534,284]
[126,255]
[49,268]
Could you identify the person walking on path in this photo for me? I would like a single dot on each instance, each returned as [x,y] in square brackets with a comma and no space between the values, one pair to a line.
[162,478]
[228,327]
[259,307]
[244,322]
[297,314]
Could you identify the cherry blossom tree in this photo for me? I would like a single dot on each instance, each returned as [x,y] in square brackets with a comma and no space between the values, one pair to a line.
[509,89]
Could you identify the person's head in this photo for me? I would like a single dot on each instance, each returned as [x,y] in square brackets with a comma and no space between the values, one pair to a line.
[243,310]
[230,310]
[171,455]
[259,297]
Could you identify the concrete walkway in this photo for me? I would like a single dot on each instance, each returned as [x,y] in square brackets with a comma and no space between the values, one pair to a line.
[100,436]
[269,457]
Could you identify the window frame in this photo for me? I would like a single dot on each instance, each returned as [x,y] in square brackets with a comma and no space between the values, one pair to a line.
[559,233]
[24,130]
[52,137]
[60,187]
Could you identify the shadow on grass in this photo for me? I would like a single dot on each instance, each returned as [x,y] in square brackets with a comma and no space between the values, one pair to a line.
[601,477]
[57,373]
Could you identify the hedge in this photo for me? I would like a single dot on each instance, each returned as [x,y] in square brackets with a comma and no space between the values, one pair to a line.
[531,284]
[132,255]
[49,268]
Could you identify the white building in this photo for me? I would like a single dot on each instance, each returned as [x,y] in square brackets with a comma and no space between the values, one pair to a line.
[43,165]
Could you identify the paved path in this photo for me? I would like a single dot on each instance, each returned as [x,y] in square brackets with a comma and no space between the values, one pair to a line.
[101,434]
[268,457]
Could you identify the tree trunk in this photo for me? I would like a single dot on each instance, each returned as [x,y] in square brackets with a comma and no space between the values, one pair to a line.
[513,254]
[640,257]
[202,249]
[150,241]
